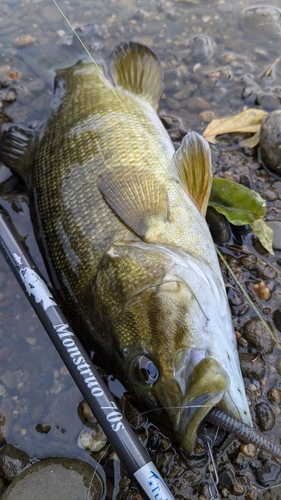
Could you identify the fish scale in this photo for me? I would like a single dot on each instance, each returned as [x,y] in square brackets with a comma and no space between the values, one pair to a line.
[120,219]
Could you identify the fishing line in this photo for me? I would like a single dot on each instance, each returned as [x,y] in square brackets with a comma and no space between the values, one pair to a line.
[89,54]
[242,288]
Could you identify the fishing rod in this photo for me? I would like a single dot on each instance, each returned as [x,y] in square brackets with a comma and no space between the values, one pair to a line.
[94,390]
[119,432]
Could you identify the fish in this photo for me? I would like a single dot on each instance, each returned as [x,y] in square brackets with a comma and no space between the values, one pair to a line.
[119,216]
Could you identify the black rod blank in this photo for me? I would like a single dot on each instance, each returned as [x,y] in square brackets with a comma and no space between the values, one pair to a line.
[119,432]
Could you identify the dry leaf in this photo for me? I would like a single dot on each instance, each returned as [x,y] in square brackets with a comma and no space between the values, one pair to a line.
[251,142]
[246,121]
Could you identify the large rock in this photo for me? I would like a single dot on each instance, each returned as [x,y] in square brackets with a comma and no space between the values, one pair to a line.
[270,141]
[57,479]
[262,22]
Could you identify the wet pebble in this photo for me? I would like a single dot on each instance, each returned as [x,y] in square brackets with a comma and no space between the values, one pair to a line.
[277,319]
[265,416]
[270,140]
[238,489]
[268,473]
[202,48]
[173,80]
[24,41]
[136,419]
[197,104]
[93,439]
[12,461]
[218,225]
[267,273]
[5,425]
[249,450]
[278,367]
[252,367]
[227,477]
[252,494]
[262,290]
[257,335]
[262,21]
[57,479]
[9,379]
[268,102]
[274,395]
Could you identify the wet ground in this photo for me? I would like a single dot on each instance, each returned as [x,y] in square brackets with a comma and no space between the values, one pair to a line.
[218,57]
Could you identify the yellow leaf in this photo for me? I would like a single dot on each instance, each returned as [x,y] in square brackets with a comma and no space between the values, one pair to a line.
[251,142]
[246,121]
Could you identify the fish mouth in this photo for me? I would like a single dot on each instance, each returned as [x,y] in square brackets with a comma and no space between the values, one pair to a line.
[198,400]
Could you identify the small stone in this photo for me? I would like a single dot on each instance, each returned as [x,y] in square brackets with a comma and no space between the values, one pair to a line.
[238,489]
[9,379]
[252,494]
[202,48]
[252,366]
[274,396]
[249,450]
[24,41]
[207,116]
[31,340]
[92,440]
[277,319]
[257,335]
[197,104]
[270,140]
[12,461]
[227,58]
[268,473]
[10,96]
[4,353]
[267,273]
[262,290]
[87,412]
[218,225]
[265,416]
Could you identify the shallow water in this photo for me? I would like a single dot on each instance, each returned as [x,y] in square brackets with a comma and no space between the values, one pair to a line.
[215,62]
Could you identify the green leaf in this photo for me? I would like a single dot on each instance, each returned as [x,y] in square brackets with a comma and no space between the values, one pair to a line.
[264,234]
[239,204]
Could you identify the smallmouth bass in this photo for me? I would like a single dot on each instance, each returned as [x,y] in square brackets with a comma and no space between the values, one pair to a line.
[120,219]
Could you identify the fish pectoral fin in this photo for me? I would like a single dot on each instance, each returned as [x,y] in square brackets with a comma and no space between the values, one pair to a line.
[136,196]
[192,163]
[17,149]
[135,68]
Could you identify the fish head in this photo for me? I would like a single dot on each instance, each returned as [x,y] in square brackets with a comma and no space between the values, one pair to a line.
[169,321]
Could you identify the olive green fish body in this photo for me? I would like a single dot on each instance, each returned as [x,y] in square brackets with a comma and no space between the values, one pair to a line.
[120,217]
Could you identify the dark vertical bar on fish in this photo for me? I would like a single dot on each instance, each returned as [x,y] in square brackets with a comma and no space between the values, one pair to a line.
[127,446]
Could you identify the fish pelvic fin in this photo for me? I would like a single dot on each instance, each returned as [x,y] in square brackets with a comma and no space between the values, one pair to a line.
[135,68]
[136,196]
[192,164]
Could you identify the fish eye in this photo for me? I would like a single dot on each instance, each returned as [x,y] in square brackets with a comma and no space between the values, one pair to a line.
[144,371]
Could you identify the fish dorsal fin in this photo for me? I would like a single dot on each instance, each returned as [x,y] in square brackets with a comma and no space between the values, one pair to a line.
[192,163]
[136,196]
[135,68]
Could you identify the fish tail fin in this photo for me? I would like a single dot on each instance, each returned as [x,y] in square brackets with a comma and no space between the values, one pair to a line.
[135,68]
